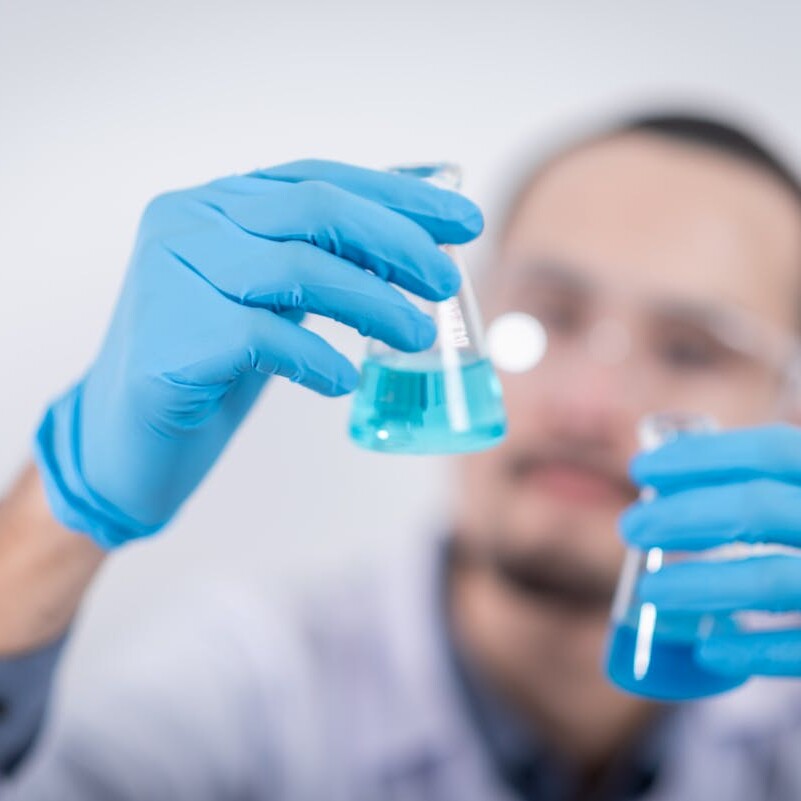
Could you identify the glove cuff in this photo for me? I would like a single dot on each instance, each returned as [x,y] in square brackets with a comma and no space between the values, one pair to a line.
[72,502]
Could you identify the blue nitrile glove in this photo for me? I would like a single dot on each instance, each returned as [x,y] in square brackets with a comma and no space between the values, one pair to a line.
[219,279]
[712,489]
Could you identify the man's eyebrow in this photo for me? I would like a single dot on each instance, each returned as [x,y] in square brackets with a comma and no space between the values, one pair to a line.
[702,315]
[554,272]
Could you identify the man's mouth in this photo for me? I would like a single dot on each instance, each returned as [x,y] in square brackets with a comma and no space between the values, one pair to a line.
[544,581]
[542,577]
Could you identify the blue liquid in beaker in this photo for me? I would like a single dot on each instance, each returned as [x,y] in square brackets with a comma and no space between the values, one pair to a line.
[668,670]
[413,405]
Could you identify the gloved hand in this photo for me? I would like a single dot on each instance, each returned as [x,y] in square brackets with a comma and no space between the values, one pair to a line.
[219,279]
[712,489]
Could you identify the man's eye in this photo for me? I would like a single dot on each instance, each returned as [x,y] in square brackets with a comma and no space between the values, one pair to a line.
[688,354]
[559,319]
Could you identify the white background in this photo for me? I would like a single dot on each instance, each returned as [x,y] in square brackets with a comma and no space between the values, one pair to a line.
[104,104]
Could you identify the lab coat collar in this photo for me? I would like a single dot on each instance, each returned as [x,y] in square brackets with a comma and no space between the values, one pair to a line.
[431,730]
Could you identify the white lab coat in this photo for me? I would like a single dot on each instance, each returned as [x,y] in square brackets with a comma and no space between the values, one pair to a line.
[348,697]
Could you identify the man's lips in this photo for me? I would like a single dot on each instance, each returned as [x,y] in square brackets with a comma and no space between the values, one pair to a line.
[576,483]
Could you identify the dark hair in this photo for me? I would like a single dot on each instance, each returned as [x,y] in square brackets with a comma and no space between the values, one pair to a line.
[725,136]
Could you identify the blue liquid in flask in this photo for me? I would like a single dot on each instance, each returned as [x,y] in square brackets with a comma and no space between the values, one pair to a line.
[664,666]
[411,404]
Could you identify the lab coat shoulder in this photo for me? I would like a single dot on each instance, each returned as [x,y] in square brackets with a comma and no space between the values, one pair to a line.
[336,693]
[202,701]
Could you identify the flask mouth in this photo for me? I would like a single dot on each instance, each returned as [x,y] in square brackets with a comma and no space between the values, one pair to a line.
[659,428]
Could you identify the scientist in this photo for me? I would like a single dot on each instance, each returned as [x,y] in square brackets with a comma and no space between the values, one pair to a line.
[663,257]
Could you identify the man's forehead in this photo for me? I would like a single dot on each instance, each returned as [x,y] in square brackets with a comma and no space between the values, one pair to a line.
[684,220]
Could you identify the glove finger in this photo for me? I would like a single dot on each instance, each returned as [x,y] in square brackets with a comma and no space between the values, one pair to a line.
[282,276]
[255,340]
[762,510]
[772,451]
[765,653]
[767,583]
[378,239]
[447,216]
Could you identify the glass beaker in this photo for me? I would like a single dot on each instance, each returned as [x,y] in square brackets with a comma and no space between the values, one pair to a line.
[446,399]
[651,652]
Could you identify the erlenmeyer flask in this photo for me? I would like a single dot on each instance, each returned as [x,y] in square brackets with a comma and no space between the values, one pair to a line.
[651,651]
[446,399]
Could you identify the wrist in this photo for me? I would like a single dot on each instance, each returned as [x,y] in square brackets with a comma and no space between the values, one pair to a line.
[44,568]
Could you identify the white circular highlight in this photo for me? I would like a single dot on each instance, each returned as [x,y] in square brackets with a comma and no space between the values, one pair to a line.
[516,342]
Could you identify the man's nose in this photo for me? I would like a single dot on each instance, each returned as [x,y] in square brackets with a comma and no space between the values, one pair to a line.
[595,396]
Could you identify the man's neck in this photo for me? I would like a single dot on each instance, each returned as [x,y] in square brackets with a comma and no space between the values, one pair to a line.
[545,662]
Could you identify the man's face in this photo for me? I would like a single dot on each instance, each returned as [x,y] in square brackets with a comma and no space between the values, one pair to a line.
[635,253]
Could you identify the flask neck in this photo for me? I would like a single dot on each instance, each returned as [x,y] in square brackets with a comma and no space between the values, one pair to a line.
[444,174]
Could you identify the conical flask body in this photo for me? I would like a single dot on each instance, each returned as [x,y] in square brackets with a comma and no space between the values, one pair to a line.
[446,399]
